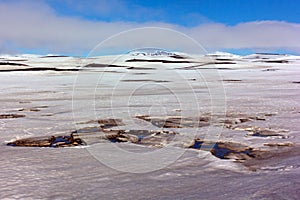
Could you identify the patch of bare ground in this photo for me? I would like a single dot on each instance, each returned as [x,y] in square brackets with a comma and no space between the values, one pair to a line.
[175,121]
[272,158]
[9,116]
[263,132]
[145,80]
[29,110]
[101,133]
[110,130]
[232,80]
[226,150]
[255,159]
[48,141]
[228,120]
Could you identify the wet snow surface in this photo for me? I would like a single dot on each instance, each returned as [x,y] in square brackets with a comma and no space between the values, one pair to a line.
[186,127]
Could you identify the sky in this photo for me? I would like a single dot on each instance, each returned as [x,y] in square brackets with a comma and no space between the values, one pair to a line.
[74,27]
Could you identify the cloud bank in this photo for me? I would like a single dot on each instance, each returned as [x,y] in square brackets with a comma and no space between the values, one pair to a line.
[37,26]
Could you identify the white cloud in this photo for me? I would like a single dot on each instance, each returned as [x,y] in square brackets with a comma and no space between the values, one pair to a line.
[37,26]
[266,35]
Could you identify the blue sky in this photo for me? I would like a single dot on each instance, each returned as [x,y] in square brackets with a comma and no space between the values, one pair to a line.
[185,12]
[74,27]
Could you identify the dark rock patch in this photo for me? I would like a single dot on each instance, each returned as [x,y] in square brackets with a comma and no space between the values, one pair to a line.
[270,70]
[276,61]
[269,114]
[141,68]
[224,63]
[272,158]
[143,137]
[201,66]
[266,133]
[157,138]
[35,109]
[110,71]
[47,115]
[24,102]
[29,110]
[178,57]
[41,107]
[52,141]
[140,73]
[297,82]
[223,68]
[269,54]
[224,59]
[174,121]
[8,116]
[232,80]
[12,64]
[284,144]
[40,69]
[108,123]
[262,132]
[258,118]
[158,60]
[88,130]
[226,150]
[145,80]
[97,65]
[12,60]
[54,56]
[232,119]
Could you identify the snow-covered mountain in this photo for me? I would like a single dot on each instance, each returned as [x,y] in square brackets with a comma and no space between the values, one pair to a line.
[151,52]
[138,57]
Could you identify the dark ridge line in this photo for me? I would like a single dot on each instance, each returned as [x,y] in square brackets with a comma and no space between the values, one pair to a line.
[141,68]
[146,80]
[220,68]
[217,68]
[140,73]
[157,60]
[209,63]
[9,116]
[274,54]
[232,80]
[224,63]
[110,71]
[13,64]
[38,69]
[269,69]
[102,65]
[11,60]
[54,56]
[224,59]
[276,61]
[179,57]
[272,61]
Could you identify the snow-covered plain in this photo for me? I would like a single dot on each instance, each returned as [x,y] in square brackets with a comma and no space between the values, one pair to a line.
[60,94]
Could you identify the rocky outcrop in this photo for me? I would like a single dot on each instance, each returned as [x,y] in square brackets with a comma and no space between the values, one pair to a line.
[175,121]
[226,150]
[8,116]
[52,141]
[263,132]
[108,123]
[110,130]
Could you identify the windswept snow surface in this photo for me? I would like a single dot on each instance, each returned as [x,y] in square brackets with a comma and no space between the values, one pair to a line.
[68,93]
